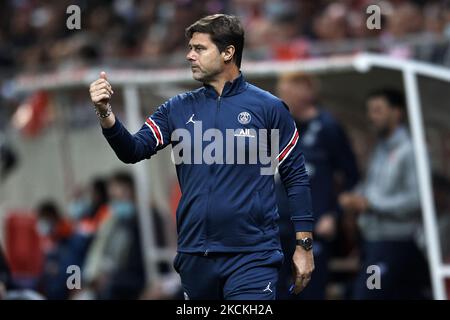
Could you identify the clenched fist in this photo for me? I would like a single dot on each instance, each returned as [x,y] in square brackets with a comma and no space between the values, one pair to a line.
[101,92]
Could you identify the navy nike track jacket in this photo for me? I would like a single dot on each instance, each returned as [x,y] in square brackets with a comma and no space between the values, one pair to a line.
[225,207]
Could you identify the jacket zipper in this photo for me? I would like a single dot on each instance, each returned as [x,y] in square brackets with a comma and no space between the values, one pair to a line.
[212,180]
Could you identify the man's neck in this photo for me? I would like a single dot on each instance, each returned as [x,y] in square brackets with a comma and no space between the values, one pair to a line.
[389,133]
[308,114]
[229,74]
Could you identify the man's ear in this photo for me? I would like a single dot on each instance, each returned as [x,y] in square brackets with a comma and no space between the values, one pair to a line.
[399,115]
[228,53]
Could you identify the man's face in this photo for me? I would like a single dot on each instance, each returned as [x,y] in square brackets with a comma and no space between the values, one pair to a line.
[46,223]
[204,57]
[383,117]
[297,95]
[118,191]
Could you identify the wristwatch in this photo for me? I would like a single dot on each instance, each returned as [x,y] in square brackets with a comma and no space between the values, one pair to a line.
[305,243]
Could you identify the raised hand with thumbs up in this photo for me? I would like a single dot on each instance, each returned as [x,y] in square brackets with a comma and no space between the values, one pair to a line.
[101,92]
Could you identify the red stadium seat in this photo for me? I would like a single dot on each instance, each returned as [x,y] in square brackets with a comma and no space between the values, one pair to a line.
[22,244]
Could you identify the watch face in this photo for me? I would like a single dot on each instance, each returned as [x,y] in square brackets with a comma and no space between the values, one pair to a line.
[306,243]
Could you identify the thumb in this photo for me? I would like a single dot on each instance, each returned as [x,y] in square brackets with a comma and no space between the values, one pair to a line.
[103,75]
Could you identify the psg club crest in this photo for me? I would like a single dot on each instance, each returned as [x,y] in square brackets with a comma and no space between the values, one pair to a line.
[244,117]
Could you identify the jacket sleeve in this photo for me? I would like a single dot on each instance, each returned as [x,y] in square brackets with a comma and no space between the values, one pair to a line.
[291,167]
[406,200]
[153,136]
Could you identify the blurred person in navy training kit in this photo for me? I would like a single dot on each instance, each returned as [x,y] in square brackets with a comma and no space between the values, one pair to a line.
[327,154]
[227,218]
[60,251]
[388,205]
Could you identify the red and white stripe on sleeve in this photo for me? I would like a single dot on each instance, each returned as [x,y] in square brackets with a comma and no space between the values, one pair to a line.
[155,130]
[289,147]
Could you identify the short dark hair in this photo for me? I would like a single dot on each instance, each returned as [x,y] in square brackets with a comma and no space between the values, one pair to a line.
[225,30]
[99,188]
[124,178]
[48,209]
[394,97]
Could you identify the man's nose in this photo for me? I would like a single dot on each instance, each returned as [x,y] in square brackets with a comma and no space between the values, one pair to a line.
[190,56]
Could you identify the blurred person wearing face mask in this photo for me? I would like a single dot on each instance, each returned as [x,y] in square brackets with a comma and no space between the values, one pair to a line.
[388,206]
[114,266]
[56,233]
[51,225]
[327,154]
[89,208]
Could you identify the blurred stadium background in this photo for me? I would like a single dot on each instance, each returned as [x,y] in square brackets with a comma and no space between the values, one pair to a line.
[54,158]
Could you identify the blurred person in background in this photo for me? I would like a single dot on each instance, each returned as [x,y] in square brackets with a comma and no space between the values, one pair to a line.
[114,266]
[149,32]
[227,215]
[89,207]
[88,210]
[436,47]
[330,162]
[331,24]
[441,192]
[56,233]
[388,204]
[403,20]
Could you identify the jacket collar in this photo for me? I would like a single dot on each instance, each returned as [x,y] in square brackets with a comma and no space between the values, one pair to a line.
[231,88]
[399,136]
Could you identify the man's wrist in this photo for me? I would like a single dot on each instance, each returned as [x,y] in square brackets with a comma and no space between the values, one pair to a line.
[304,240]
[108,122]
[303,234]
[105,113]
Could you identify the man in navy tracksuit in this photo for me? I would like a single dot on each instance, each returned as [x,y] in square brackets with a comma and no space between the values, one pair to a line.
[328,155]
[228,239]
